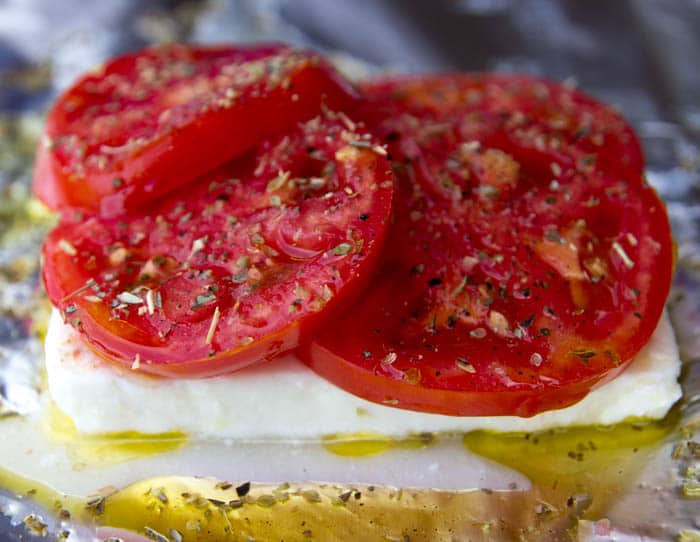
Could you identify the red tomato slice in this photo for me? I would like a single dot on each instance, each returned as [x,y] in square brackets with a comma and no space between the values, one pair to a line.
[528,261]
[238,266]
[150,121]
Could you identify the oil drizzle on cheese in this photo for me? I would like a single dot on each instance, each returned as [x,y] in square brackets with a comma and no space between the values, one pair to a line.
[103,449]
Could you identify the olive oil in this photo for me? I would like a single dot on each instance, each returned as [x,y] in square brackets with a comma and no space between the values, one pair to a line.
[366,444]
[200,509]
[109,448]
[596,464]
[575,474]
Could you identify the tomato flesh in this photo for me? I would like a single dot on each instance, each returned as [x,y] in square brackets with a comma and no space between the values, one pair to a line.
[528,260]
[150,121]
[235,268]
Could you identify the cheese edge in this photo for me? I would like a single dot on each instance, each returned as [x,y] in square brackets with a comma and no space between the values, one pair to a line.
[285,400]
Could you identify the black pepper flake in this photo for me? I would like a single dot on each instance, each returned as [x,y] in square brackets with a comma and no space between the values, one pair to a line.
[367,354]
[435,281]
[553,235]
[587,159]
[345,495]
[243,489]
[581,133]
[528,321]
[364,216]
[545,332]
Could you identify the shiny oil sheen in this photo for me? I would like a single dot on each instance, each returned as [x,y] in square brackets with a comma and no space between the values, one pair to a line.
[109,448]
[575,473]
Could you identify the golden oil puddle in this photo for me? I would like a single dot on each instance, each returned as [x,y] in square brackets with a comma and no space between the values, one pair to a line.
[185,508]
[365,443]
[594,463]
[24,487]
[201,510]
[108,448]
[575,473]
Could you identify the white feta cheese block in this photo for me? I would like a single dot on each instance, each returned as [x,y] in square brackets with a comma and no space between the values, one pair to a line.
[284,400]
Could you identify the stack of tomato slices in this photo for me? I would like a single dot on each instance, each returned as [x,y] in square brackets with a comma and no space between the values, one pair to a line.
[458,244]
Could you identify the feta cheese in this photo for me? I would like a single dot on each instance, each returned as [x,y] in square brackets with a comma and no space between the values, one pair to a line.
[285,400]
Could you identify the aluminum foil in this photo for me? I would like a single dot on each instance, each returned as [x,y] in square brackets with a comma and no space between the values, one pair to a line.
[641,56]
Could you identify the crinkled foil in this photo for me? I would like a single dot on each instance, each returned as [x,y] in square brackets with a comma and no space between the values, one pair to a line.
[641,56]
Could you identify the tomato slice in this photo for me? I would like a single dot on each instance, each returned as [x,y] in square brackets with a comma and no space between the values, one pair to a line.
[528,261]
[235,267]
[152,120]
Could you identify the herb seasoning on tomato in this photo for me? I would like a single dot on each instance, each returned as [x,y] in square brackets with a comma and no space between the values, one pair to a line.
[528,261]
[150,121]
[236,267]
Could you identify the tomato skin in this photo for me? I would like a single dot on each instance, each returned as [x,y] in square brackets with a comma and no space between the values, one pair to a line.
[490,94]
[502,292]
[153,120]
[450,402]
[236,268]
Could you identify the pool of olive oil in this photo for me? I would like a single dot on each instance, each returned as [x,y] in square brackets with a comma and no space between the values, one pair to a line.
[576,474]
